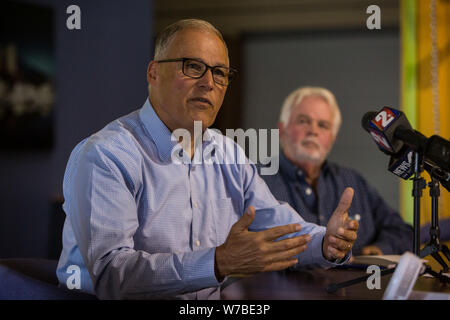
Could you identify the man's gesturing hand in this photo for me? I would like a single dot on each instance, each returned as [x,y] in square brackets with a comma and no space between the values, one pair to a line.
[247,252]
[341,230]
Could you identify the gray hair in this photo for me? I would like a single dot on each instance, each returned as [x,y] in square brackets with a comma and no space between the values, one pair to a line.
[299,94]
[166,36]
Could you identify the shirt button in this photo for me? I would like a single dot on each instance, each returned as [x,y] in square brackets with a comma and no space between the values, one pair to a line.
[308,191]
[195,205]
[197,243]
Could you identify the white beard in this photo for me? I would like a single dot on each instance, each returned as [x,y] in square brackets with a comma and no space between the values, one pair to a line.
[303,154]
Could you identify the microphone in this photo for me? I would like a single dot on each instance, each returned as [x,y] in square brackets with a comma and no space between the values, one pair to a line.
[379,139]
[395,137]
[402,165]
[438,152]
[390,130]
[439,174]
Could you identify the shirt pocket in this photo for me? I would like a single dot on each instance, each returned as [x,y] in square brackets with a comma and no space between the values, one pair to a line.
[225,213]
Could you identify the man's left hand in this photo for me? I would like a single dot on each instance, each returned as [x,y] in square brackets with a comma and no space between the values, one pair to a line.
[341,230]
[371,250]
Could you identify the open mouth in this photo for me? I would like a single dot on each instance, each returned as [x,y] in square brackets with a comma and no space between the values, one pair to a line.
[201,100]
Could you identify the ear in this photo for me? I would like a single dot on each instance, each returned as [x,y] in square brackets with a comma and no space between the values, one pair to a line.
[152,72]
[334,138]
[280,126]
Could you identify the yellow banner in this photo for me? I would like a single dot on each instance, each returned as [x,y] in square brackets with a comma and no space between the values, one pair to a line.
[433,84]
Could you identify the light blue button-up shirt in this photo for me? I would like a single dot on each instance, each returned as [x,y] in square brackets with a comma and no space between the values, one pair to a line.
[141,225]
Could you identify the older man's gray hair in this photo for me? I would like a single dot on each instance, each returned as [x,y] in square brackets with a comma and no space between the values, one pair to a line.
[299,94]
[164,39]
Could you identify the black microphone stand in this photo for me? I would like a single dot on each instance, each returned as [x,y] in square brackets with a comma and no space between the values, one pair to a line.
[419,184]
[434,246]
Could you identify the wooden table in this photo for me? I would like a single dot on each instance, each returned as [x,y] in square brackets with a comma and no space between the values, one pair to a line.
[311,284]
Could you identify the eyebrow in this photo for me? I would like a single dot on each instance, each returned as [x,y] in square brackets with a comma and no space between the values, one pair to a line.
[201,60]
[301,115]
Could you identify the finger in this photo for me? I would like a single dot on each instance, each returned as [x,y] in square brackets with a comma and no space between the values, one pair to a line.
[348,235]
[371,250]
[345,201]
[246,220]
[280,265]
[290,243]
[352,224]
[277,232]
[335,253]
[340,244]
[288,254]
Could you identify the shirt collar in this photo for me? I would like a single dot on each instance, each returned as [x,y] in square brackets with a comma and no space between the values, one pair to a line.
[161,135]
[157,130]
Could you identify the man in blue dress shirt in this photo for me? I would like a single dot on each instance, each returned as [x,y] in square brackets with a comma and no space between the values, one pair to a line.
[309,122]
[144,221]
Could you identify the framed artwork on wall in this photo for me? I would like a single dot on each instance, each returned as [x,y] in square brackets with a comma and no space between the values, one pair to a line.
[27,69]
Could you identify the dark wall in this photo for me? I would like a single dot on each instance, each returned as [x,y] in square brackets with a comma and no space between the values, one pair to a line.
[361,68]
[100,75]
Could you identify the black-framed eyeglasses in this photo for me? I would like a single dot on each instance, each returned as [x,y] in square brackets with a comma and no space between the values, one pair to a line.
[195,68]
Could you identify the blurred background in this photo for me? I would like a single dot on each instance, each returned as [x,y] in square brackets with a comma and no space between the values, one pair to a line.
[60,85]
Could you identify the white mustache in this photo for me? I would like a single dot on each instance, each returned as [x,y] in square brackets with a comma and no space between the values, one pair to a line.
[314,141]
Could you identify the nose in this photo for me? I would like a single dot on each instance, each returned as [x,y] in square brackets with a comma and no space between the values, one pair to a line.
[313,128]
[207,81]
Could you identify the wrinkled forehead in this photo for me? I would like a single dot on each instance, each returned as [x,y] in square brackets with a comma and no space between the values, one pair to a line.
[199,43]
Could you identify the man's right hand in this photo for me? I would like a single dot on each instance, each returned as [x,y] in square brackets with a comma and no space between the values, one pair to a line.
[247,252]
